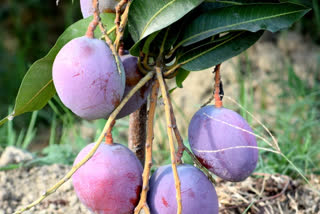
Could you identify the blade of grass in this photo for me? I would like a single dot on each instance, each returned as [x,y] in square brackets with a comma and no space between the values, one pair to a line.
[31,131]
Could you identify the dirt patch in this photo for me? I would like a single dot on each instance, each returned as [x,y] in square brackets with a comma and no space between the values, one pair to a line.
[265,193]
[269,194]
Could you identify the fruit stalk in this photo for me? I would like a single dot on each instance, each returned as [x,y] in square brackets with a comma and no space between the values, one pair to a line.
[109,138]
[165,96]
[96,19]
[112,117]
[218,101]
[148,159]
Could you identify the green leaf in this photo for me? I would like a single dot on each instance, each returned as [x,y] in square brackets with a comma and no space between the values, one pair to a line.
[144,44]
[213,4]
[146,17]
[37,87]
[252,17]
[181,76]
[240,2]
[212,53]
[307,3]
[153,42]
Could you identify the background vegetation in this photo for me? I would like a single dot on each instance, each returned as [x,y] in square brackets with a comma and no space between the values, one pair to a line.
[31,27]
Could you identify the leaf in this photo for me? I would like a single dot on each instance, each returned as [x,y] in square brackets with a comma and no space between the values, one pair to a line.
[213,4]
[154,41]
[144,44]
[37,87]
[212,53]
[146,17]
[181,76]
[4,120]
[307,3]
[252,17]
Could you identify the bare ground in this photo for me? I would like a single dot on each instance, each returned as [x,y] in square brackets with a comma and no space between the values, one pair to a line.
[261,193]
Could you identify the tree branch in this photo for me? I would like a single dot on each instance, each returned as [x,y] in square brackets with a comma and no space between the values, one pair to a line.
[170,135]
[148,160]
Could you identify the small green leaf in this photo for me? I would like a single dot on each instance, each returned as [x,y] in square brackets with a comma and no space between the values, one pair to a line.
[37,87]
[252,17]
[146,17]
[181,76]
[212,53]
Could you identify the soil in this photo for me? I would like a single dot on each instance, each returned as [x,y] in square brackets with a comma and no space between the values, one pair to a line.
[261,193]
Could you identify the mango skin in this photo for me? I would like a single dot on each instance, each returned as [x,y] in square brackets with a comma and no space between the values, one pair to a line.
[133,76]
[197,192]
[105,6]
[110,182]
[86,78]
[207,134]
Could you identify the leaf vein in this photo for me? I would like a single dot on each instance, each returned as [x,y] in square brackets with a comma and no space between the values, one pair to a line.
[34,97]
[154,16]
[240,23]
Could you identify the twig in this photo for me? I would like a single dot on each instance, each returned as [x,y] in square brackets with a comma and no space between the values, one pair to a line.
[141,67]
[148,159]
[124,18]
[111,46]
[145,62]
[96,19]
[181,146]
[172,70]
[112,117]
[118,14]
[170,135]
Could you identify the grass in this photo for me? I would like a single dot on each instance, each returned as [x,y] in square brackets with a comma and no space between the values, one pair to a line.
[296,124]
[297,128]
[22,139]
